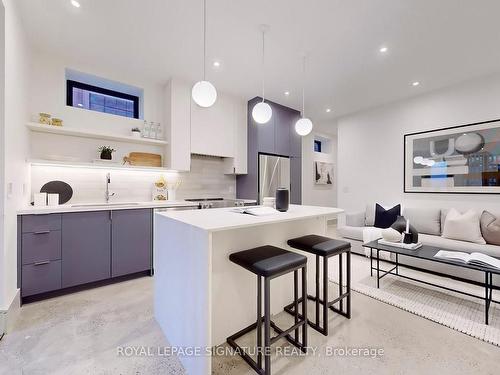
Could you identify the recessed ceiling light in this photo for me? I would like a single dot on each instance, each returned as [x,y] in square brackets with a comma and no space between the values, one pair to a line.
[75,3]
[216,64]
[287,93]
[416,83]
[328,110]
[383,49]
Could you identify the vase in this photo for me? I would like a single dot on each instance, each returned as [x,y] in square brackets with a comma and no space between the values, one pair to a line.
[106,155]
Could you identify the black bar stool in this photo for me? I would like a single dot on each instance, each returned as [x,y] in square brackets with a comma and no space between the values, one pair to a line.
[325,248]
[269,262]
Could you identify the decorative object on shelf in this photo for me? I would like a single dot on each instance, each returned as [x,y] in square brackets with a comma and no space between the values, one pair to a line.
[323,173]
[159,131]
[262,112]
[172,187]
[282,199]
[203,92]
[135,132]
[143,159]
[160,189]
[409,232]
[44,118]
[303,126]
[58,187]
[459,159]
[146,129]
[40,199]
[53,199]
[106,152]
[56,122]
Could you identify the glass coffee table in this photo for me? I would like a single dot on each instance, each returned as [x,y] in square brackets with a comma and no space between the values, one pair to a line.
[427,253]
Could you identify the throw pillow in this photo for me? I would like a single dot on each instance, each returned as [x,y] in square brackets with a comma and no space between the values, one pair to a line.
[385,218]
[490,228]
[425,220]
[463,227]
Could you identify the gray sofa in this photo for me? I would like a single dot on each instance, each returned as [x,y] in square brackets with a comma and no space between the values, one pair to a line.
[428,222]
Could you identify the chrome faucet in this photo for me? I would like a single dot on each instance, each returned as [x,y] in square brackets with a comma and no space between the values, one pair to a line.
[107,194]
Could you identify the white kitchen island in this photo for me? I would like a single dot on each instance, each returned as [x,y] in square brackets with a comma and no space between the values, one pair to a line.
[201,297]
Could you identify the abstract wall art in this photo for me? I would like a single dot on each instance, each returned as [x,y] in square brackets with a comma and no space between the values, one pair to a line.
[323,173]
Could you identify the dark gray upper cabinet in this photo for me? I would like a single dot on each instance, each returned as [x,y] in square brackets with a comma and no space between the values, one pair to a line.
[295,180]
[86,247]
[131,241]
[282,122]
[295,139]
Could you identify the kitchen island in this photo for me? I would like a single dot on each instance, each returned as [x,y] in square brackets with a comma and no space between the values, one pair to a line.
[201,297]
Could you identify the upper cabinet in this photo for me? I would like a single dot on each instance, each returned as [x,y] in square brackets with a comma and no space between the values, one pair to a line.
[220,130]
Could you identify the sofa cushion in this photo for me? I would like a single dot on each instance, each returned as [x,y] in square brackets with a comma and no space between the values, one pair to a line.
[385,218]
[425,220]
[464,227]
[490,227]
[353,233]
[468,247]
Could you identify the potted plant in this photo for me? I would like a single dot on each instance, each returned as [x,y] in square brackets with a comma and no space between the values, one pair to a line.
[106,152]
[136,132]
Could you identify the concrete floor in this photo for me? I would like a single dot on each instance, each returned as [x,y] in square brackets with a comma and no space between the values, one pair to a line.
[80,334]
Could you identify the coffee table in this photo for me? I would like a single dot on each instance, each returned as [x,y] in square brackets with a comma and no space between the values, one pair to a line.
[427,253]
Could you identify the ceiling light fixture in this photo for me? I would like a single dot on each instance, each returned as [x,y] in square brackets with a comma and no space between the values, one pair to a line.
[303,126]
[383,49]
[287,93]
[203,92]
[328,110]
[216,64]
[416,83]
[262,112]
[75,3]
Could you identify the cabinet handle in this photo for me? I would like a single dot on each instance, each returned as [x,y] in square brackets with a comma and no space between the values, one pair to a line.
[111,215]
[42,263]
[43,232]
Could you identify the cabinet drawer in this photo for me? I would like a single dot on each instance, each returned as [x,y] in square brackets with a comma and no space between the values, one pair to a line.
[41,246]
[40,278]
[41,223]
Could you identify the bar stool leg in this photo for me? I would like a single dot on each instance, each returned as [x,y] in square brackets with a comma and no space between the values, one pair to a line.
[296,301]
[304,308]
[341,302]
[259,321]
[349,285]
[325,296]
[317,290]
[267,326]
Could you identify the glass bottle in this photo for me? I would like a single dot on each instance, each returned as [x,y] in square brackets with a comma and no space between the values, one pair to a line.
[159,134]
[147,130]
[152,130]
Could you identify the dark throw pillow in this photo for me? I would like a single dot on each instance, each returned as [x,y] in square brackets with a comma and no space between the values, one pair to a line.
[385,218]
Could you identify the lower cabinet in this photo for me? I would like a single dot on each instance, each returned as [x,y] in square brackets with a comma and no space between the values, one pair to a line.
[86,247]
[131,241]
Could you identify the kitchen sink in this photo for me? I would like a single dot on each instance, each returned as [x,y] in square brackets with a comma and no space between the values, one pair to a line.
[105,204]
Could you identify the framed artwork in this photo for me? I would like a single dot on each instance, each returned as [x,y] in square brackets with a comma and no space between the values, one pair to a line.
[460,159]
[323,173]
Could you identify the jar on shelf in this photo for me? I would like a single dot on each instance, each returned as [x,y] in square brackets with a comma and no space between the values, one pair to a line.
[44,118]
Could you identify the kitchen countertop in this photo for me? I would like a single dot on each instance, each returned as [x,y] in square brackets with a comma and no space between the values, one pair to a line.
[218,219]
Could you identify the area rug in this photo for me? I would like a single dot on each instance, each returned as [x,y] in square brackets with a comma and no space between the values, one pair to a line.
[459,312]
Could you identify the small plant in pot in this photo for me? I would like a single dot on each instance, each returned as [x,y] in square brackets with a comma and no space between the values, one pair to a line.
[106,152]
[135,132]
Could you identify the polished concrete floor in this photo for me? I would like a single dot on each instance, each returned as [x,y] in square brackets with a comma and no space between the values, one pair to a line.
[86,333]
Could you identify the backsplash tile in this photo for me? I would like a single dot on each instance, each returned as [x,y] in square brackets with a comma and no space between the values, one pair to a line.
[206,179]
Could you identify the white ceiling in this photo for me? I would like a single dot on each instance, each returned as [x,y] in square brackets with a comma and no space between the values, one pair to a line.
[437,42]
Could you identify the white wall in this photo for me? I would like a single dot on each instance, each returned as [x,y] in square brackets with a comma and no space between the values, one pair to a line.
[312,194]
[17,60]
[2,163]
[370,153]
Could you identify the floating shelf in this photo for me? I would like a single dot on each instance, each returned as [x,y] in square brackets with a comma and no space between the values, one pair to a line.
[40,128]
[80,164]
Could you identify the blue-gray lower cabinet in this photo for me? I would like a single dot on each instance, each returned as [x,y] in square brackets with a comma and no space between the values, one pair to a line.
[86,247]
[131,241]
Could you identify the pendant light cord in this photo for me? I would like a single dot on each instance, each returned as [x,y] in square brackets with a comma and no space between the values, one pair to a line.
[303,87]
[263,64]
[204,39]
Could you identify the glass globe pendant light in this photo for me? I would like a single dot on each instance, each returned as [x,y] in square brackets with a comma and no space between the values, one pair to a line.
[203,92]
[303,126]
[262,112]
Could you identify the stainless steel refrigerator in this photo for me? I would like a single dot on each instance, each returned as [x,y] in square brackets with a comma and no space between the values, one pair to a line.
[274,173]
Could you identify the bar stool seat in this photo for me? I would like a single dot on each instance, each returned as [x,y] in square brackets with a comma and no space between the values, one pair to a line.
[319,245]
[268,261]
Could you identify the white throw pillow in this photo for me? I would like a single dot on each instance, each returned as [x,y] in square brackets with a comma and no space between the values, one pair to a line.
[463,227]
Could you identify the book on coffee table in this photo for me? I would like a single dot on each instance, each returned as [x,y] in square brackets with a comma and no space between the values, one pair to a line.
[407,246]
[476,259]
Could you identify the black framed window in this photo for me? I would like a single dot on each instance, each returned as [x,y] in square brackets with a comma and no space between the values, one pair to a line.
[317,146]
[94,98]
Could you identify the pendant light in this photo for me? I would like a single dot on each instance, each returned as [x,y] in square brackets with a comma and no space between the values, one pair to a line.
[262,112]
[203,92]
[303,126]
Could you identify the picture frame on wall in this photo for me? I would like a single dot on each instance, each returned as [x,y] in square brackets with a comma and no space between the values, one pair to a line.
[463,159]
[323,173]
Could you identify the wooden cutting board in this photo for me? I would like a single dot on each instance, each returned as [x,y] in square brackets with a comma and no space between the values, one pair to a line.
[143,159]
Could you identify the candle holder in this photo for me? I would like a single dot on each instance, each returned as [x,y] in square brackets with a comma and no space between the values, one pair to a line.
[407,238]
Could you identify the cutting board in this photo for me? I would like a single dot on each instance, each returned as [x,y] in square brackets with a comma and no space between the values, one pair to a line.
[143,159]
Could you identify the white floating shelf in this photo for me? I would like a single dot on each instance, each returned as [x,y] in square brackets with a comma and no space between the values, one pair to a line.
[61,130]
[80,164]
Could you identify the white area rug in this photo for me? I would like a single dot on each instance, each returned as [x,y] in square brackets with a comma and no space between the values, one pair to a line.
[459,312]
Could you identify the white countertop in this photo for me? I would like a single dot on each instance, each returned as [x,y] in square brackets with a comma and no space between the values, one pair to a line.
[218,219]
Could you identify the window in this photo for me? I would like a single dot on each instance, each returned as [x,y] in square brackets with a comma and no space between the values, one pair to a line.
[317,146]
[94,98]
